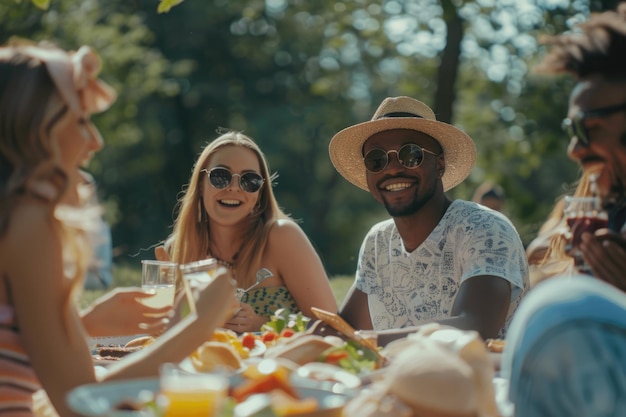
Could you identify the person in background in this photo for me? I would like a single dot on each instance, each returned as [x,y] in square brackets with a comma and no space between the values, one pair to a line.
[436,260]
[229,212]
[47,96]
[565,353]
[490,195]
[100,270]
[546,253]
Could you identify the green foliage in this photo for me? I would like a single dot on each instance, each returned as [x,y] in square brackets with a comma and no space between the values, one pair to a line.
[124,275]
[42,4]
[166,5]
[163,7]
[291,74]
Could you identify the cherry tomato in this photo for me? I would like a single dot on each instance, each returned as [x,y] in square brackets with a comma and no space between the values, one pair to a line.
[248,340]
[269,337]
[287,332]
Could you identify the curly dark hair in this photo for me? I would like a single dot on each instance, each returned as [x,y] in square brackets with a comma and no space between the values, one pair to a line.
[596,46]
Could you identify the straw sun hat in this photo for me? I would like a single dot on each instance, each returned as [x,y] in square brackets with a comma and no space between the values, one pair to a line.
[403,113]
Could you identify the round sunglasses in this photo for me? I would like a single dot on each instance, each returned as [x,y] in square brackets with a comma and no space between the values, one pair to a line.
[410,155]
[576,125]
[221,178]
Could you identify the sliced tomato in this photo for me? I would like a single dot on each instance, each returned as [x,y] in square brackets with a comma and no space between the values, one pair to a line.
[335,356]
[265,383]
[287,332]
[268,337]
[248,340]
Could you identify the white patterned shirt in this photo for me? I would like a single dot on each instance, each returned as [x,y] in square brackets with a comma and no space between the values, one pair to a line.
[405,289]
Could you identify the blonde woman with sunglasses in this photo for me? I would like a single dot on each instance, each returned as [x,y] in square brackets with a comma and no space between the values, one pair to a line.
[47,96]
[229,212]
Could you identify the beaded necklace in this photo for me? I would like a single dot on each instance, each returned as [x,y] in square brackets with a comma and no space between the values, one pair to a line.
[222,262]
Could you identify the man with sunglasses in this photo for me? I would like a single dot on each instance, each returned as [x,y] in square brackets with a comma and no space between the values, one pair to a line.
[565,353]
[436,260]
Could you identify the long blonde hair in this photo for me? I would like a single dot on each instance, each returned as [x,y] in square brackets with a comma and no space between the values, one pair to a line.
[29,154]
[189,241]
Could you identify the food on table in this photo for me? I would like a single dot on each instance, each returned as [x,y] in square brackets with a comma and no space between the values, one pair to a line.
[495,345]
[272,377]
[437,371]
[308,348]
[264,383]
[248,340]
[231,338]
[433,372]
[303,349]
[141,341]
[351,356]
[328,373]
[116,352]
[214,355]
[283,323]
[284,404]
[342,326]
[146,400]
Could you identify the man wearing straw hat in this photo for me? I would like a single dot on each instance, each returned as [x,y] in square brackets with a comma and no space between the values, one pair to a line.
[436,260]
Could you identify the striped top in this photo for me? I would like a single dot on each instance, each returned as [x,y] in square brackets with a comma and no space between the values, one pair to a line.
[18,381]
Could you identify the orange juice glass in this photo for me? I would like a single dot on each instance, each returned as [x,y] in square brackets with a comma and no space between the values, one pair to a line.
[186,394]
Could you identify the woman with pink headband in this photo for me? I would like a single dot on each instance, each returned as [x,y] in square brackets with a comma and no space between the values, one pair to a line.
[46,98]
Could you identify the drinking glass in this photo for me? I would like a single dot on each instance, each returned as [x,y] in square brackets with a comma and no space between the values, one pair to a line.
[159,278]
[185,394]
[196,274]
[582,214]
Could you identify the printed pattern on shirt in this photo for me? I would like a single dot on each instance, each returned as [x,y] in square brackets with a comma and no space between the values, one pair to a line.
[407,288]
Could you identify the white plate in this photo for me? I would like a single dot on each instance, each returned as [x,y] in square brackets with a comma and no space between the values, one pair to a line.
[258,349]
[99,400]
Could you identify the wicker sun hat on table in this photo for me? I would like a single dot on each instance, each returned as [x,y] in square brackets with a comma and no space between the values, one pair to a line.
[346,147]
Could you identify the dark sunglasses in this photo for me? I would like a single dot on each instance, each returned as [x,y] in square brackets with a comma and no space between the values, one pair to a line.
[221,178]
[576,125]
[409,155]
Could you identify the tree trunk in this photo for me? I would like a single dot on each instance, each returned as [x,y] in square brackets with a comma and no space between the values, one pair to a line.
[449,65]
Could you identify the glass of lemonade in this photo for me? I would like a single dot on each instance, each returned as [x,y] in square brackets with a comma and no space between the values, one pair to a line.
[196,274]
[184,394]
[158,277]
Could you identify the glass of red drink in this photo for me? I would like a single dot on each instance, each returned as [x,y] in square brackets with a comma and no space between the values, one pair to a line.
[582,214]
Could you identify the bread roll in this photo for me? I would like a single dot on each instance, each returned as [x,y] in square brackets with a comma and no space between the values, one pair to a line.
[213,355]
[432,381]
[141,341]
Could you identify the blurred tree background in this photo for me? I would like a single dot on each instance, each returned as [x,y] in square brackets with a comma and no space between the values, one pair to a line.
[291,73]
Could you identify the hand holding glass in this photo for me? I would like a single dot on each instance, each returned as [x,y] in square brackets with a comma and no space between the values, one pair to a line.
[582,214]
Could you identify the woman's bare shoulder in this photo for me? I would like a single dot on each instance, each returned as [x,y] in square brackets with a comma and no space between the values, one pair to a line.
[30,225]
[285,230]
